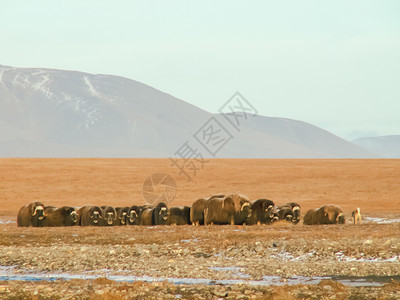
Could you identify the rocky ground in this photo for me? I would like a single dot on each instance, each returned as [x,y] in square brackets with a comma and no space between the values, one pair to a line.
[229,261]
[103,288]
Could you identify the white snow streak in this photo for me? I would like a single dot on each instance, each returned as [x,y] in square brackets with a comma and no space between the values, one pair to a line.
[1,75]
[94,92]
[37,81]
[91,88]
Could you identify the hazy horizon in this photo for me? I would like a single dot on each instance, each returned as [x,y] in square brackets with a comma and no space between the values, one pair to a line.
[333,65]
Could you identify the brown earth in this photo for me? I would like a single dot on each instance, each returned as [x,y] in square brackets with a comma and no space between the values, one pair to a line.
[372,185]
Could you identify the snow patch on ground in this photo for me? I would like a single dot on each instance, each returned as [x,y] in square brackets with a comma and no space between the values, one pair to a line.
[381,220]
[287,256]
[8,273]
[340,256]
[7,221]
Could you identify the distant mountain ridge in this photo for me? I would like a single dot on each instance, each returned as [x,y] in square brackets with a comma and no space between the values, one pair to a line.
[57,113]
[386,146]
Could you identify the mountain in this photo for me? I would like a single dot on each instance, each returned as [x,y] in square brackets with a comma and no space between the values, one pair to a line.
[386,146]
[57,113]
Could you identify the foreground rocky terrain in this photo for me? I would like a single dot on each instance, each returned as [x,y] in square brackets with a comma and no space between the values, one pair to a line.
[281,261]
[213,261]
[103,288]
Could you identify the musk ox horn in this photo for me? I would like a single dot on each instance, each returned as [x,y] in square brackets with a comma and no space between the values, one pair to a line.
[36,209]
[296,208]
[74,216]
[245,204]
[162,209]
[109,218]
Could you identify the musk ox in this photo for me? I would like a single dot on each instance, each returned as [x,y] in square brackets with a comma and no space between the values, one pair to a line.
[311,217]
[197,212]
[231,209]
[328,214]
[31,214]
[197,209]
[109,216]
[122,216]
[134,215]
[179,215]
[157,215]
[62,216]
[285,213]
[90,215]
[262,212]
[356,216]
[296,211]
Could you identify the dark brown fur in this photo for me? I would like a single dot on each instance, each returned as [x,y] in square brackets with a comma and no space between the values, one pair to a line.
[109,216]
[90,215]
[179,215]
[232,209]
[134,215]
[160,214]
[285,213]
[157,215]
[296,211]
[122,216]
[30,215]
[328,214]
[146,218]
[197,212]
[197,209]
[310,218]
[262,212]
[62,216]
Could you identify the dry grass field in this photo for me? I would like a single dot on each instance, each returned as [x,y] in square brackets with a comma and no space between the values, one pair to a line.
[373,185]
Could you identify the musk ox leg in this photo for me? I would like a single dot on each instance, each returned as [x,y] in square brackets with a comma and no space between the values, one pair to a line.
[206,216]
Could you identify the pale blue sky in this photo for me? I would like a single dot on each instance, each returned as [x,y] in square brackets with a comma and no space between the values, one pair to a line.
[335,64]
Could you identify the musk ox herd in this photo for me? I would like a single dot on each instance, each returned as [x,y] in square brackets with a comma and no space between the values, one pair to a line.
[219,209]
